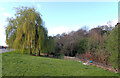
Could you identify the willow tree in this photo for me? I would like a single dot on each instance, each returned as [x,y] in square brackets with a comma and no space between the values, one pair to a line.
[26,30]
[11,32]
[42,41]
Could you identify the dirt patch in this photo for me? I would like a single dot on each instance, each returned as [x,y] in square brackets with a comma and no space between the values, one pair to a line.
[103,66]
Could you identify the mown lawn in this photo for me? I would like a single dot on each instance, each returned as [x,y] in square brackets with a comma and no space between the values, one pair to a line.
[16,64]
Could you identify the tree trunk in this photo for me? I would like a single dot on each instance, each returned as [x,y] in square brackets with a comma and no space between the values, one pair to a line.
[39,53]
[29,46]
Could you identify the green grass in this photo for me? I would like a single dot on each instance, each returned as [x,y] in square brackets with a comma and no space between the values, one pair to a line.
[16,64]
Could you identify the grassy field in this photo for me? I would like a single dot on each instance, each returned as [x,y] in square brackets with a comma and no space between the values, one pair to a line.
[15,64]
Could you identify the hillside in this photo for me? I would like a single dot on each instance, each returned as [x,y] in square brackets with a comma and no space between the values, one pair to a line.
[16,64]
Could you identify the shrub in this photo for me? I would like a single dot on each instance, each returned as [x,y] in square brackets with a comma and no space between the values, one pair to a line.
[83,46]
[112,47]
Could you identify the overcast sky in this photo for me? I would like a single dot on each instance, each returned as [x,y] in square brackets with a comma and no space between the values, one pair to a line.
[62,17]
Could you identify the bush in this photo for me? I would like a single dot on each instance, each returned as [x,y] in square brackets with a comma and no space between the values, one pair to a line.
[59,55]
[112,47]
[83,46]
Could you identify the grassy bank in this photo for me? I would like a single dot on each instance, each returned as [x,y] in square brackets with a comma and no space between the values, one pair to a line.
[16,64]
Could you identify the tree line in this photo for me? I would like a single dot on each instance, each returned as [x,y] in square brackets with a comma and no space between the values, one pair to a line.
[100,42]
[28,33]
